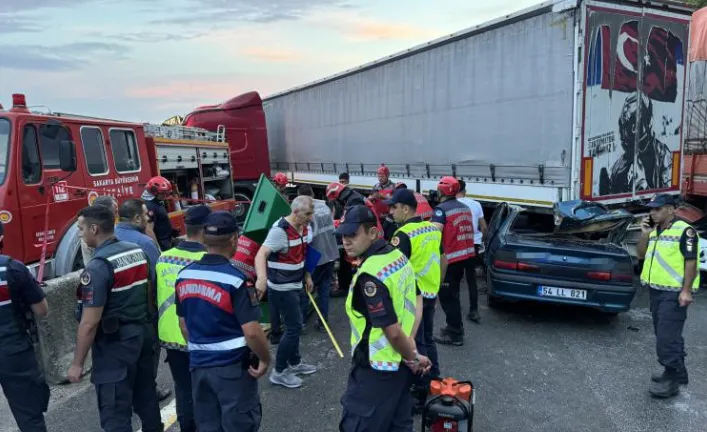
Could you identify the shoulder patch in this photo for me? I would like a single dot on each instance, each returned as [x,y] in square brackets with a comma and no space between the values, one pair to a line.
[85,278]
[395,241]
[439,213]
[690,232]
[370,289]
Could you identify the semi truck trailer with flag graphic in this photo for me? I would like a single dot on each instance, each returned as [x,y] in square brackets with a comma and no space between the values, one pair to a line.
[569,99]
[564,100]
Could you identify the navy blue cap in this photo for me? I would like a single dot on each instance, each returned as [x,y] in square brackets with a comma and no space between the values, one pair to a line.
[661,200]
[353,218]
[196,215]
[403,196]
[220,223]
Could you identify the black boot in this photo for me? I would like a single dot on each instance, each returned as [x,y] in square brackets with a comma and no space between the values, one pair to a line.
[451,336]
[679,376]
[473,315]
[664,389]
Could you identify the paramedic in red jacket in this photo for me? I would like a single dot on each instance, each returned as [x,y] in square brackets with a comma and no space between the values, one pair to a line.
[455,221]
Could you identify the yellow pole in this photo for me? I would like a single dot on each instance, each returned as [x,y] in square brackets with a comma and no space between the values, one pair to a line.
[326,326]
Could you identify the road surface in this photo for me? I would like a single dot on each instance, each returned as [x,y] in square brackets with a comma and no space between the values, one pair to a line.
[535,368]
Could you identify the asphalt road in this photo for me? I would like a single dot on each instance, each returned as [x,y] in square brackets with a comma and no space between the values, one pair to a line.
[535,368]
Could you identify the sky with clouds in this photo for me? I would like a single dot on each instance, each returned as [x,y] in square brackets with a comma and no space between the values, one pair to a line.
[146,60]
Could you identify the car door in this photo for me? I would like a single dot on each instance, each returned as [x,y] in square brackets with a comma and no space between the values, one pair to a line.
[497,219]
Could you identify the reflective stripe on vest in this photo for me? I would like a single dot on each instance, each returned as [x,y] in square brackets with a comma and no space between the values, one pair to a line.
[458,232]
[128,298]
[5,298]
[396,273]
[168,266]
[664,264]
[226,345]
[286,268]
[425,241]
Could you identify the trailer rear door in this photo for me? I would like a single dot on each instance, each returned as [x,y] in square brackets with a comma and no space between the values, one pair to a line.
[634,85]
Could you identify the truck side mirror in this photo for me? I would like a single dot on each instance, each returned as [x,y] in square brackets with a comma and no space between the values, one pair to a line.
[67,156]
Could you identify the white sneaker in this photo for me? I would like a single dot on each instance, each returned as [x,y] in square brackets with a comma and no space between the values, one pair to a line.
[302,369]
[285,378]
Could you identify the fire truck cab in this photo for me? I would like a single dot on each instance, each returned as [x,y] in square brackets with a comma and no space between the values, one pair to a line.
[53,165]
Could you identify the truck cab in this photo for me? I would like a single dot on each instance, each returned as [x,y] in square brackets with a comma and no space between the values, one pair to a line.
[53,165]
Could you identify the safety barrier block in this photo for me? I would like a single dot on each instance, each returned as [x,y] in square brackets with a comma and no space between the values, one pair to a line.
[57,331]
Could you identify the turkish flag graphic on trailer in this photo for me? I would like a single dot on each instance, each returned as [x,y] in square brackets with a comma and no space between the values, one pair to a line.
[660,57]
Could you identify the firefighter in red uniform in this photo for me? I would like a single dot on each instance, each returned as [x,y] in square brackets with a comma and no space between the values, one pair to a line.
[155,192]
[342,197]
[383,190]
[280,180]
[454,219]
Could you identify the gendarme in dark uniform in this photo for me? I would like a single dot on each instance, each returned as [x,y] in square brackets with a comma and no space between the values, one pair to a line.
[670,271]
[20,377]
[219,309]
[380,304]
[113,317]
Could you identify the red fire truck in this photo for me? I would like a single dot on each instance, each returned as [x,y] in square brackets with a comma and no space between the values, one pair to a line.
[54,164]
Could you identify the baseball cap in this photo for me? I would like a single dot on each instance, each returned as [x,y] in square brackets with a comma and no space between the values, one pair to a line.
[196,215]
[353,218]
[661,200]
[220,223]
[403,196]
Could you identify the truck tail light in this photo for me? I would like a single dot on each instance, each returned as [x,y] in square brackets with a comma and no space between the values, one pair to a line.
[587,169]
[675,175]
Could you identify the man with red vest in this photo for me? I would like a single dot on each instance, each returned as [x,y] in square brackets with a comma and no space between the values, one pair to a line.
[280,268]
[455,220]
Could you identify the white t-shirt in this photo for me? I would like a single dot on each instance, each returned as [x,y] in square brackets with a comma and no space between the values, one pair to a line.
[477,213]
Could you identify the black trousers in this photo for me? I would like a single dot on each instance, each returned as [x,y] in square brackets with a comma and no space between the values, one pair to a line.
[449,292]
[668,322]
[178,362]
[26,390]
[345,272]
[377,401]
[226,399]
[137,391]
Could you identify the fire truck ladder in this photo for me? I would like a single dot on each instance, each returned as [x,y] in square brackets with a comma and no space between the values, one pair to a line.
[185,133]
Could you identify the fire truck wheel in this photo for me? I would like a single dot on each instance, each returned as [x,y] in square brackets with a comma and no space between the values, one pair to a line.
[68,256]
[240,211]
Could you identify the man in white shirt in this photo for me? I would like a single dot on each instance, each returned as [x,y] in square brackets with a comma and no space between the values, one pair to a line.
[479,231]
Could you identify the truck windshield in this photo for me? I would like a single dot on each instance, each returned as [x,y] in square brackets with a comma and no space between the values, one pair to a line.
[4,147]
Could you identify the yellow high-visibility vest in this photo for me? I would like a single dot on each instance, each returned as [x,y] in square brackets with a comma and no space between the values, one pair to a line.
[664,265]
[168,266]
[396,273]
[425,243]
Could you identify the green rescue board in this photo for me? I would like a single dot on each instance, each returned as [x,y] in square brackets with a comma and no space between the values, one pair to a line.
[268,206]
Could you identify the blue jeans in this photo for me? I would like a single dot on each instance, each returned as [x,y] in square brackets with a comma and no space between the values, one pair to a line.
[322,280]
[288,303]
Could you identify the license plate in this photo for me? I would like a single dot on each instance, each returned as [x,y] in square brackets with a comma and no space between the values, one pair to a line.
[576,294]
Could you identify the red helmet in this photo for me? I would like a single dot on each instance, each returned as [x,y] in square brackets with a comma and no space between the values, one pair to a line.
[448,186]
[159,184]
[334,190]
[280,179]
[383,170]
